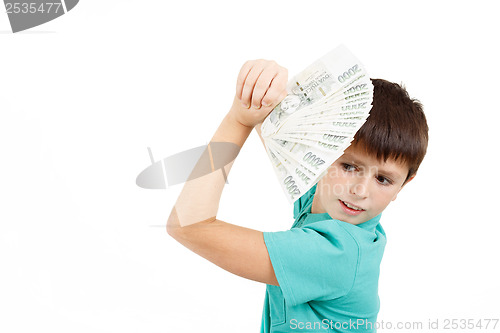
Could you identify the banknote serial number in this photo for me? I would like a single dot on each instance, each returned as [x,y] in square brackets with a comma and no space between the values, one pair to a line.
[32,7]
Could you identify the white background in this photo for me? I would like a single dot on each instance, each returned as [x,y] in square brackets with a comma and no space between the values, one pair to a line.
[83,249]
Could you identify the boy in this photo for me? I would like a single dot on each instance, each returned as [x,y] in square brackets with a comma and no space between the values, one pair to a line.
[322,274]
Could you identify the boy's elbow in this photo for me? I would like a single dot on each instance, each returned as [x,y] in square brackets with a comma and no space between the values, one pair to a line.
[171,230]
[173,223]
[174,229]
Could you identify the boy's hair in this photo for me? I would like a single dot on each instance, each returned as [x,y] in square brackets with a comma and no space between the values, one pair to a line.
[396,127]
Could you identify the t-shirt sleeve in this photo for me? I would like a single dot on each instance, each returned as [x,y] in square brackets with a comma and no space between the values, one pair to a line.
[315,262]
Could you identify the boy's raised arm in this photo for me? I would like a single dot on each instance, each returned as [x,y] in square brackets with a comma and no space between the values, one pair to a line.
[259,132]
[261,85]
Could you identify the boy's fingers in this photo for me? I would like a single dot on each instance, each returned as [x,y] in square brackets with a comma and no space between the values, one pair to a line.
[275,97]
[277,90]
[245,69]
[262,86]
[249,84]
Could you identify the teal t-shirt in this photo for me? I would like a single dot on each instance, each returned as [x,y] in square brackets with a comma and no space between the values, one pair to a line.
[328,273]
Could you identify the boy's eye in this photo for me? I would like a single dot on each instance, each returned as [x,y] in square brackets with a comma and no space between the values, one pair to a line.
[348,167]
[383,180]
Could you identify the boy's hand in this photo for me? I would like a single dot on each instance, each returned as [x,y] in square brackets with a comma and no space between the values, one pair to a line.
[261,85]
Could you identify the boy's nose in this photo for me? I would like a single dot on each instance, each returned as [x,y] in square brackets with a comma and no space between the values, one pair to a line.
[359,187]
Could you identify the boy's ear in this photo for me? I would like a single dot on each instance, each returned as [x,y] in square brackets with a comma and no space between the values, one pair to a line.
[406,182]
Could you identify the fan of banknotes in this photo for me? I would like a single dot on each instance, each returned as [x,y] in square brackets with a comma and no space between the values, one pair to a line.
[326,105]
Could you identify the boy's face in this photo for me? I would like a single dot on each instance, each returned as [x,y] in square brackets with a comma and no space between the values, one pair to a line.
[360,181]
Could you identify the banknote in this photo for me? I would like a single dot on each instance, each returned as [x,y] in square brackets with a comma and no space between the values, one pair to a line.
[326,105]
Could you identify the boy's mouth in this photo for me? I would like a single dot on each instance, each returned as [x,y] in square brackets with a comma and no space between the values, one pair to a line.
[350,208]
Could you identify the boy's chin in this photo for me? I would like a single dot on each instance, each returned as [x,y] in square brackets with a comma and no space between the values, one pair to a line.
[358,219]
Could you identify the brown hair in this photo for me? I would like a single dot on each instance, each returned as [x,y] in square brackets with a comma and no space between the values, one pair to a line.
[396,127]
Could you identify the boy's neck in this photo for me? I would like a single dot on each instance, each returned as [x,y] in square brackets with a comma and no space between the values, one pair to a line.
[314,206]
